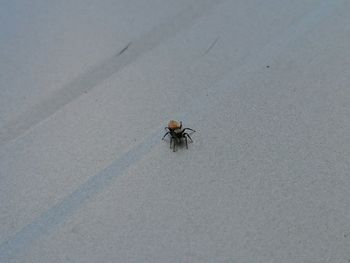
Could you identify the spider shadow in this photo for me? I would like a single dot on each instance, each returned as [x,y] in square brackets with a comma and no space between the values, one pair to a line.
[179,144]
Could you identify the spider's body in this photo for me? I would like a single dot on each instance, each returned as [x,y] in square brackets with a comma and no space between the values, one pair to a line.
[177,133]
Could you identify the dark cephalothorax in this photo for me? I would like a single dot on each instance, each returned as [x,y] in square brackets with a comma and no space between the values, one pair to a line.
[177,134]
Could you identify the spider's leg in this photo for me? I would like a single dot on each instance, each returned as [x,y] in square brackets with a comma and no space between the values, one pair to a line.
[171,140]
[188,136]
[186,142]
[174,146]
[189,129]
[165,135]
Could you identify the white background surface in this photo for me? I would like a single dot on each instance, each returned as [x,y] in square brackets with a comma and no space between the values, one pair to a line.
[84,176]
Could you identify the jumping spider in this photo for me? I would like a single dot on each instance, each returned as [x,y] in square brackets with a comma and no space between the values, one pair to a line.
[177,133]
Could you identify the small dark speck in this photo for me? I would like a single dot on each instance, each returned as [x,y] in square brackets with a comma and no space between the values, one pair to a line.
[211,46]
[124,49]
[267,66]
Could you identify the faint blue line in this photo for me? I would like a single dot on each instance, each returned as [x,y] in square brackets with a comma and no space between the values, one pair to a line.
[58,213]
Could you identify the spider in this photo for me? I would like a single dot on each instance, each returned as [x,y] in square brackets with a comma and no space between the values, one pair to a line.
[177,133]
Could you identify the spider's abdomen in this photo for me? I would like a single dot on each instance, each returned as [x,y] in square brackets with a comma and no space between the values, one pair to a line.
[173,125]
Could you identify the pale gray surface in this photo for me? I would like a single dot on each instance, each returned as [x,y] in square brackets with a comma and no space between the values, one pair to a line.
[84,176]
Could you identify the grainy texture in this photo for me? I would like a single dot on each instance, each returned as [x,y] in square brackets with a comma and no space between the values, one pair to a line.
[86,90]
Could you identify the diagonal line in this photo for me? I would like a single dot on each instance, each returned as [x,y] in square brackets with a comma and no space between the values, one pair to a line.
[87,81]
[211,46]
[60,212]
